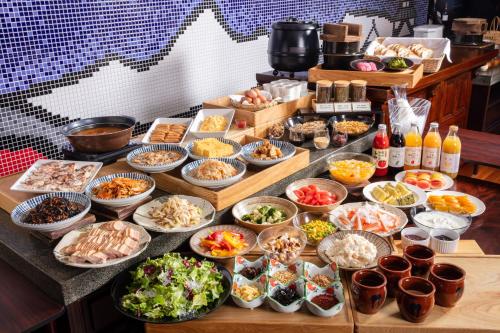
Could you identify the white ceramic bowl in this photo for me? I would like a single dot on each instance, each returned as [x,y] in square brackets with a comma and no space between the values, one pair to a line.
[260,283]
[405,241]
[19,213]
[294,306]
[444,246]
[236,149]
[125,201]
[286,148]
[311,270]
[313,290]
[183,121]
[204,114]
[188,168]
[158,167]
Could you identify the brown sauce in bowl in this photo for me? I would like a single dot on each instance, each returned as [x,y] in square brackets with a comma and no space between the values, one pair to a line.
[99,130]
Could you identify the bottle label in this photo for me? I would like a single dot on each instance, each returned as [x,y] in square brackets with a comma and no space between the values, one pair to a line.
[413,156]
[396,157]
[430,158]
[382,157]
[450,162]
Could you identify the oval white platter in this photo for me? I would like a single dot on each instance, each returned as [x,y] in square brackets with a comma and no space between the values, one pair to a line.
[480,206]
[448,181]
[421,196]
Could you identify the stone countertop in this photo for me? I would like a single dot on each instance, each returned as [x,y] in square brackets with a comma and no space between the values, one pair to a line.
[34,259]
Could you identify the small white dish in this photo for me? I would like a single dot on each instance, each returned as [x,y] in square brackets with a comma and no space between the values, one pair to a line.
[311,270]
[292,307]
[158,168]
[313,290]
[448,181]
[124,201]
[142,218]
[444,246]
[19,213]
[405,241]
[421,196]
[241,263]
[204,114]
[184,121]
[286,148]
[480,206]
[235,154]
[275,266]
[188,168]
[260,283]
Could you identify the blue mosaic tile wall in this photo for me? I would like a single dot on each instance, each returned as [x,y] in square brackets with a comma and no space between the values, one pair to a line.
[55,52]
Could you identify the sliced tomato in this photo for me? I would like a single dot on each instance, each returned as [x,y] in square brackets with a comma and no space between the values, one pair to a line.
[313,187]
[299,193]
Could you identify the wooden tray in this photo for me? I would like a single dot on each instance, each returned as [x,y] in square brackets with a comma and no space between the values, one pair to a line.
[230,318]
[256,118]
[379,79]
[477,311]
[466,247]
[253,181]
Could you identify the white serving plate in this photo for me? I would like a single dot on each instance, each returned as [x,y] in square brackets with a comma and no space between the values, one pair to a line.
[205,113]
[286,148]
[19,213]
[421,196]
[160,167]
[334,214]
[18,185]
[236,149]
[240,166]
[480,206]
[142,218]
[448,181]
[125,201]
[72,236]
[249,236]
[184,121]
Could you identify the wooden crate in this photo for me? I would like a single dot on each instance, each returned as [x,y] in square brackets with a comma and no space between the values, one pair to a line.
[476,312]
[263,319]
[254,180]
[261,130]
[256,118]
[238,135]
[380,79]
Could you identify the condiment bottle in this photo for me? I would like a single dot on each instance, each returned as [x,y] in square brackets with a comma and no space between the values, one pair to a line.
[432,148]
[380,150]
[396,150]
[450,157]
[413,148]
[323,91]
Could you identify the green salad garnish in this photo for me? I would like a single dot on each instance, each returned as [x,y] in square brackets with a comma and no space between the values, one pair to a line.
[172,287]
[397,63]
[265,214]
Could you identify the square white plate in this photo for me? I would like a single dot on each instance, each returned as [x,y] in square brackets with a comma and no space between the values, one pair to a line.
[205,113]
[184,121]
[18,185]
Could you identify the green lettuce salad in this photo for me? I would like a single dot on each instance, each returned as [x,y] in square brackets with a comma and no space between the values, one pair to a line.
[172,287]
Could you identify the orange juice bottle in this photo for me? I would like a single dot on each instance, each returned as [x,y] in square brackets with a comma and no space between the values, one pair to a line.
[432,148]
[450,157]
[413,148]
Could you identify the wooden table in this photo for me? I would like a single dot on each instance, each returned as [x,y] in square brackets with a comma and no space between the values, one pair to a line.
[478,147]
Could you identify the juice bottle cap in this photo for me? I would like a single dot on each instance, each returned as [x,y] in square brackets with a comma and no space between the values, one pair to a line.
[434,124]
[454,128]
[382,127]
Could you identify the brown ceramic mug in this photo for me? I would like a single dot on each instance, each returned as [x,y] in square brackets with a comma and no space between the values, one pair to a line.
[415,298]
[449,281]
[421,258]
[394,268]
[368,290]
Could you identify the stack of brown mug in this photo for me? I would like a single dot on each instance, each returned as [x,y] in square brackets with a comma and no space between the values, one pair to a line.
[414,280]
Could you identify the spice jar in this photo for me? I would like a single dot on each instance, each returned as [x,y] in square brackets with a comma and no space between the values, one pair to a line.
[358,90]
[323,91]
[339,139]
[341,91]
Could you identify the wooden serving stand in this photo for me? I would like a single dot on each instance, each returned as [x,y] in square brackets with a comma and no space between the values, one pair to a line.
[379,79]
[254,180]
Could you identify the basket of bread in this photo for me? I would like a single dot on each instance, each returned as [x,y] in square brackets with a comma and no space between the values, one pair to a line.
[253,100]
[430,52]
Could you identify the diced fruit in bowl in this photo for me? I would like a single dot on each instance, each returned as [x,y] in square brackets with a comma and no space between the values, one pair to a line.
[351,168]
[312,195]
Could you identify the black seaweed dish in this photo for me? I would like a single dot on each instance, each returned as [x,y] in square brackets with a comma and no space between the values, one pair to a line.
[122,280]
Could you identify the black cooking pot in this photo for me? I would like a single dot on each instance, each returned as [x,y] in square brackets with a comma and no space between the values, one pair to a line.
[293,46]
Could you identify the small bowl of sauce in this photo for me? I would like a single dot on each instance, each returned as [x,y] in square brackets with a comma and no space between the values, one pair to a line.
[413,236]
[444,240]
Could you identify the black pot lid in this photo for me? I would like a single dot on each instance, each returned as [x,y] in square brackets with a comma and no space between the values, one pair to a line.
[295,25]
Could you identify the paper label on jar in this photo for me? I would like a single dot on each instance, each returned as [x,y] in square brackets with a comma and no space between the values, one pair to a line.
[430,157]
[324,107]
[342,107]
[413,156]
[361,106]
[396,157]
[382,157]
[450,162]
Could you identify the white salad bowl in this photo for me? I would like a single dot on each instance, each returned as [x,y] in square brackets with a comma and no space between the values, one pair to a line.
[158,167]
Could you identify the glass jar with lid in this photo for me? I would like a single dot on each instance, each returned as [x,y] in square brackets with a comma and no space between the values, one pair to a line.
[323,91]
[358,90]
[341,91]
